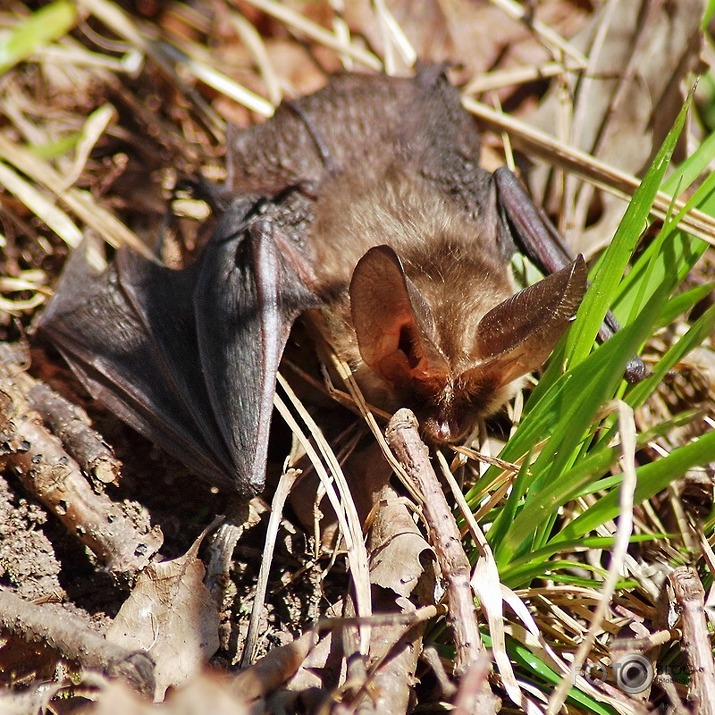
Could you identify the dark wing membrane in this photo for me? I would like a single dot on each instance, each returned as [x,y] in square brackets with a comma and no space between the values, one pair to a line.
[245,304]
[188,358]
[103,336]
[162,299]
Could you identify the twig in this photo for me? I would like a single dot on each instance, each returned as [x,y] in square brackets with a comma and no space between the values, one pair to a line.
[65,420]
[690,600]
[431,657]
[499,79]
[70,424]
[280,664]
[473,683]
[48,473]
[403,437]
[70,637]
[486,585]
[279,499]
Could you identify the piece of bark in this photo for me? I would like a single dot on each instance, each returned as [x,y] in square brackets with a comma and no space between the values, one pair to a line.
[404,440]
[73,640]
[55,479]
[689,601]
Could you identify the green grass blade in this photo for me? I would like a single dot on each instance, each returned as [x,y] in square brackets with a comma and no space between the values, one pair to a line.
[681,304]
[693,167]
[568,410]
[652,478]
[542,673]
[610,270]
[582,479]
[699,331]
[669,258]
[42,27]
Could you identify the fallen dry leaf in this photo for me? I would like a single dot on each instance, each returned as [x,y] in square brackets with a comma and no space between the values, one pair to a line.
[476,36]
[205,693]
[396,547]
[170,614]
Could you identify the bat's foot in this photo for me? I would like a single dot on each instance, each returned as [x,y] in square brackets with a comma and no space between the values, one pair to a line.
[636,371]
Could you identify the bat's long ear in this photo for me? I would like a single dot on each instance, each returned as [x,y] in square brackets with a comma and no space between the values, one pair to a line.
[517,335]
[392,321]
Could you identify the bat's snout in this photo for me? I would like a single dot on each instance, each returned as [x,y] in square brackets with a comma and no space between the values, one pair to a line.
[445,430]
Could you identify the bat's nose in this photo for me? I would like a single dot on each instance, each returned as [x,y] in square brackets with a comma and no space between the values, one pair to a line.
[444,430]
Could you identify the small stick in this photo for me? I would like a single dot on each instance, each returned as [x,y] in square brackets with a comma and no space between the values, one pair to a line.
[70,424]
[51,476]
[473,683]
[73,640]
[276,667]
[404,439]
[67,421]
[689,599]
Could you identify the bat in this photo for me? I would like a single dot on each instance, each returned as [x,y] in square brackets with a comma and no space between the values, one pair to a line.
[363,209]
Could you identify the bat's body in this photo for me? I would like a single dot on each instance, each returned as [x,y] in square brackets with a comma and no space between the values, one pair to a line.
[364,205]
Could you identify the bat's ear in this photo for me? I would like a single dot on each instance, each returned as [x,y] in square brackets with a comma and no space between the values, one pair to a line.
[517,335]
[393,321]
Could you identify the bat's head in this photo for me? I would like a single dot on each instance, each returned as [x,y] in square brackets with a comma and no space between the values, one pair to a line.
[451,374]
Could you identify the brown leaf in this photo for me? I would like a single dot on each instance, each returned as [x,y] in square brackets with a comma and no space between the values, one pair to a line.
[171,615]
[204,694]
[476,36]
[396,546]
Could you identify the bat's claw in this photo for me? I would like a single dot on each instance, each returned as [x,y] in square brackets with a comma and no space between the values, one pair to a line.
[201,188]
[636,371]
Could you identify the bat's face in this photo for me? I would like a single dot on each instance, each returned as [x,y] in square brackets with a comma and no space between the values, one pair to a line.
[448,406]
[453,363]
